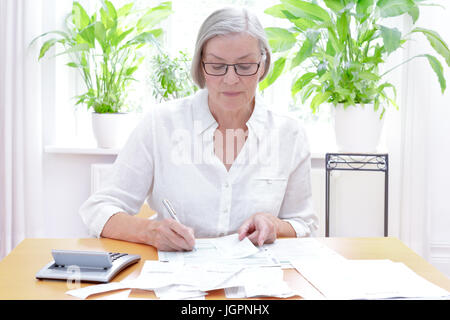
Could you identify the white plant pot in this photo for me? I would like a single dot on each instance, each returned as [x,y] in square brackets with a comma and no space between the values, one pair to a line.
[357,128]
[110,129]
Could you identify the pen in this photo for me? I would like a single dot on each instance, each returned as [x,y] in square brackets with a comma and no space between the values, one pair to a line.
[170,209]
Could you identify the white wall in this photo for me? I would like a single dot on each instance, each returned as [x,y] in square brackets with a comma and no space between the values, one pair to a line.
[67,183]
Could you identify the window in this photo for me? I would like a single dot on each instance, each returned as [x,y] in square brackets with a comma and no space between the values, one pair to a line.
[73,126]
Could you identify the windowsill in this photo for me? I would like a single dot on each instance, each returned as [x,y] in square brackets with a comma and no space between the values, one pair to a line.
[93,150]
[80,150]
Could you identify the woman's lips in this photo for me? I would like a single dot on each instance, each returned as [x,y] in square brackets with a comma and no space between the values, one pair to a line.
[231,93]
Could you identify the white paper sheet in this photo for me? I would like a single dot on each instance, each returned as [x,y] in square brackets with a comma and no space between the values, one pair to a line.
[178,292]
[221,253]
[301,249]
[259,282]
[230,247]
[367,279]
[85,292]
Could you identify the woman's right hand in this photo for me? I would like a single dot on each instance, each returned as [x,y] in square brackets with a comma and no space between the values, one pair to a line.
[164,235]
[170,235]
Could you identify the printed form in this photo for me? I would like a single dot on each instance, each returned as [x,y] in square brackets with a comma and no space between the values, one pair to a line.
[216,263]
[221,252]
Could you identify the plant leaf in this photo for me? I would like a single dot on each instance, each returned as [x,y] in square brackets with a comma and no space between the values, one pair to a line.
[312,36]
[76,48]
[318,99]
[88,34]
[391,38]
[106,20]
[393,8]
[100,34]
[46,46]
[342,25]
[65,35]
[304,24]
[273,74]
[366,75]
[280,39]
[436,42]
[301,82]
[332,38]
[303,9]
[125,10]
[144,37]
[362,7]
[79,16]
[154,16]
[304,53]
[72,65]
[131,70]
[381,88]
[110,10]
[335,5]
[437,67]
[276,11]
[157,33]
[330,49]
[119,38]
[414,13]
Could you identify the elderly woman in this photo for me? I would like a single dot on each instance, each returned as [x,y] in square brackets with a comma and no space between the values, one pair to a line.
[226,163]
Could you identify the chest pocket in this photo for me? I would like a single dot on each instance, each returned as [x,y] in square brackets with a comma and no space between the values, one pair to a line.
[267,194]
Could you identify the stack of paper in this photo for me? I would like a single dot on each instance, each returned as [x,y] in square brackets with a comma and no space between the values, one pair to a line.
[367,279]
[219,263]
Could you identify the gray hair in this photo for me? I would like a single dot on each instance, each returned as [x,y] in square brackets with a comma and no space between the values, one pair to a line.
[226,21]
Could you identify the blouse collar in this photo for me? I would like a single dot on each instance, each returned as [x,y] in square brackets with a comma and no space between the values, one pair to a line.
[203,118]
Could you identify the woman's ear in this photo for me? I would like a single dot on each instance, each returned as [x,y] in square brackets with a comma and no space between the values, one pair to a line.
[262,69]
[263,65]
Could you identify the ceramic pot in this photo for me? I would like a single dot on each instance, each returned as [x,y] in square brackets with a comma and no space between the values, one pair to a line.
[109,129]
[357,128]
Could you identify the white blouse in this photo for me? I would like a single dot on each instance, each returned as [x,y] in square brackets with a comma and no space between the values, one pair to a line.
[170,155]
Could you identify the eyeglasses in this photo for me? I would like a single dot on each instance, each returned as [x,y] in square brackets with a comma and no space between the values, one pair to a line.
[241,69]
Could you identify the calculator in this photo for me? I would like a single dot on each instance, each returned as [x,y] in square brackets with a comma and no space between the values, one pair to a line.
[86,266]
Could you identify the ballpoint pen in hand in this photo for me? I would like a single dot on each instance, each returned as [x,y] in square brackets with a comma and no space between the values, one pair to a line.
[170,209]
[173,214]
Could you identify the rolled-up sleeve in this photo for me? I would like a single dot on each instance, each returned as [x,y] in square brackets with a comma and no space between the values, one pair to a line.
[297,207]
[129,183]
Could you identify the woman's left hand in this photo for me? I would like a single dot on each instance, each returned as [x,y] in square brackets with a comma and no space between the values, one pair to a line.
[260,228]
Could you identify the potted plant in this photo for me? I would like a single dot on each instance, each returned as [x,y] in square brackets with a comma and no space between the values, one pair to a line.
[335,49]
[170,77]
[105,48]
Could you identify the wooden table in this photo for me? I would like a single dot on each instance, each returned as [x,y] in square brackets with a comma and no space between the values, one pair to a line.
[18,269]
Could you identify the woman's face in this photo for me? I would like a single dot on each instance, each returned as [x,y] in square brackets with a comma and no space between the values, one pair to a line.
[232,91]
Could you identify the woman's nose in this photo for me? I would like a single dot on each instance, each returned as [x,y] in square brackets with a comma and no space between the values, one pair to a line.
[231,76]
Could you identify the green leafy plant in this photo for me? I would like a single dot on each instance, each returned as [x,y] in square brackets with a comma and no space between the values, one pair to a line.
[170,78]
[335,49]
[105,48]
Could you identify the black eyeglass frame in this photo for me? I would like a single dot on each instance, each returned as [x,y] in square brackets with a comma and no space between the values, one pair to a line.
[231,65]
